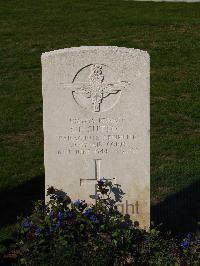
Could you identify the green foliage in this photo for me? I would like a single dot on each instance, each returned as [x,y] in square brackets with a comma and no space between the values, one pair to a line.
[62,232]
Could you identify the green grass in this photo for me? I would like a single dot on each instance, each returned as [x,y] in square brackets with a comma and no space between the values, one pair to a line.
[170,32]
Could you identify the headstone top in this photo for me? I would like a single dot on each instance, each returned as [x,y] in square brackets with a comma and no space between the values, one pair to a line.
[114,49]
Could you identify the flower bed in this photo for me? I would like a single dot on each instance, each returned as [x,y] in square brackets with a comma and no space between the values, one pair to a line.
[62,232]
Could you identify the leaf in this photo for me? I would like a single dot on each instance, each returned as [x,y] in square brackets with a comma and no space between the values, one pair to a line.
[114,242]
[3,249]
[82,227]
[115,234]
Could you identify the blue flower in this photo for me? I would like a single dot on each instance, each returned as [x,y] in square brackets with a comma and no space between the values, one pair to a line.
[189,236]
[60,215]
[26,224]
[185,243]
[87,212]
[93,218]
[124,224]
[38,230]
[70,214]
[77,202]
[51,214]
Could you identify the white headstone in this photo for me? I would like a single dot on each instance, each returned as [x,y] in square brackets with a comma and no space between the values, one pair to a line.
[96,123]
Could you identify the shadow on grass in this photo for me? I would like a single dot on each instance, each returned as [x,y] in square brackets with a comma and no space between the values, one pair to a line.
[179,212]
[19,201]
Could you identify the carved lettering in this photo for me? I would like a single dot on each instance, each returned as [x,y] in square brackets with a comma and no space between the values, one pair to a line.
[96,136]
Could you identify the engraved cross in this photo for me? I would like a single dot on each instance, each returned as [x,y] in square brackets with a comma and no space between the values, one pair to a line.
[97,163]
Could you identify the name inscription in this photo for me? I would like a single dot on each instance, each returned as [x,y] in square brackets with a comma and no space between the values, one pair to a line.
[96,136]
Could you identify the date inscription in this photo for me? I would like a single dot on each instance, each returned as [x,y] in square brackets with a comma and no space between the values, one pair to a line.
[96,136]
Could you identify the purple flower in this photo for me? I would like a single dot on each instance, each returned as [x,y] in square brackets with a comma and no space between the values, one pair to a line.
[185,243]
[77,202]
[60,215]
[26,224]
[101,182]
[87,212]
[38,230]
[189,236]
[93,218]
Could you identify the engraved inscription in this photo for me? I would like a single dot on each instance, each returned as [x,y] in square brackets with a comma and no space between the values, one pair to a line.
[100,136]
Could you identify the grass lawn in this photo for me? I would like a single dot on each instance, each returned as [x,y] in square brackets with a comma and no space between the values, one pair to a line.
[170,32]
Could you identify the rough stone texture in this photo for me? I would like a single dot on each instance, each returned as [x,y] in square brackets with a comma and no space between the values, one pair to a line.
[96,123]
